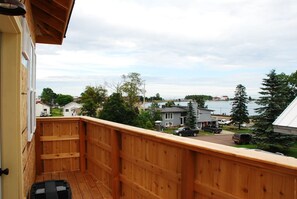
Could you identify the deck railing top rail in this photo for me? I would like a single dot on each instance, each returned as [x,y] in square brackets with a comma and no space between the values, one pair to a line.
[242,155]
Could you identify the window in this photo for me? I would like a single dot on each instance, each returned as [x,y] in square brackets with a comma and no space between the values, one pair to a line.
[168,116]
[45,109]
[66,110]
[29,61]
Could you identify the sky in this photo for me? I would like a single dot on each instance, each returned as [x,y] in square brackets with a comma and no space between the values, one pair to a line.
[179,47]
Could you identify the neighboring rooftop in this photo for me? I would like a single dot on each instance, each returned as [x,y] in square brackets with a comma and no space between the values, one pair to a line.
[287,121]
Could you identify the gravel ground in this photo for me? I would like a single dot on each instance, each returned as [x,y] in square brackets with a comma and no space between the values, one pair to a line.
[224,138]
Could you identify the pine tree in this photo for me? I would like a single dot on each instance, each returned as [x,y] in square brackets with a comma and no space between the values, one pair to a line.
[191,116]
[273,101]
[239,112]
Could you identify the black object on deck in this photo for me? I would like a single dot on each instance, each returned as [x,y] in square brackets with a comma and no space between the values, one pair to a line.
[52,189]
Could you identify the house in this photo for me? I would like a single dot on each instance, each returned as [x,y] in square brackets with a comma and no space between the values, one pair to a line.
[177,115]
[204,118]
[23,24]
[287,122]
[173,116]
[42,109]
[72,109]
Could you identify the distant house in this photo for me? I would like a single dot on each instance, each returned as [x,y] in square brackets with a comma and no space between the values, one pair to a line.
[177,115]
[72,109]
[173,116]
[287,122]
[225,98]
[204,117]
[42,109]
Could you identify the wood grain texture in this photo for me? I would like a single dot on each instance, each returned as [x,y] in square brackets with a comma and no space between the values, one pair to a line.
[129,162]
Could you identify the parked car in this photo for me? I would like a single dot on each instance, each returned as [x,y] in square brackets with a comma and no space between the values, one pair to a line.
[242,138]
[224,122]
[212,129]
[186,131]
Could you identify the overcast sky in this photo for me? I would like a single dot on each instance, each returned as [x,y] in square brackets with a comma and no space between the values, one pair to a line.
[180,47]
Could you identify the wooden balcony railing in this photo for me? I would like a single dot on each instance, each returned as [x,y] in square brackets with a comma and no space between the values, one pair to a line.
[136,163]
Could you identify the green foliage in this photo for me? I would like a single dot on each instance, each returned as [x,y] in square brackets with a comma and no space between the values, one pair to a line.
[199,99]
[191,116]
[273,100]
[89,108]
[155,98]
[131,88]
[145,120]
[276,95]
[62,100]
[117,110]
[169,103]
[155,112]
[239,112]
[48,96]
[55,112]
[92,98]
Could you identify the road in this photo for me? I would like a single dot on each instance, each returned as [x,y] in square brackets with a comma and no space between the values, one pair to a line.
[224,138]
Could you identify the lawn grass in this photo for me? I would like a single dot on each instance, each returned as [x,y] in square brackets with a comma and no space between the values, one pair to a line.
[55,112]
[236,130]
[292,152]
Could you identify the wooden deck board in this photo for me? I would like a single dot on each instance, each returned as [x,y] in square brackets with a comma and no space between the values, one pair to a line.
[83,185]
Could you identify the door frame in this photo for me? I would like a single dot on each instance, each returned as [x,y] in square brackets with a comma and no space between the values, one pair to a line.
[10,50]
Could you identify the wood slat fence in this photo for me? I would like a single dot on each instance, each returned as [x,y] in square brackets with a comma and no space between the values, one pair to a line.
[137,163]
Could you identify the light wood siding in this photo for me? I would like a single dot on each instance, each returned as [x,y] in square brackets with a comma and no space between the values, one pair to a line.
[136,163]
[58,146]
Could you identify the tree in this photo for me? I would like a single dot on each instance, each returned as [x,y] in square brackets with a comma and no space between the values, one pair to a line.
[199,99]
[48,96]
[169,103]
[191,116]
[92,98]
[62,100]
[239,112]
[89,108]
[273,101]
[131,88]
[117,110]
[145,120]
[155,112]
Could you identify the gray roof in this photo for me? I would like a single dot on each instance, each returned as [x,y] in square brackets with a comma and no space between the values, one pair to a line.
[173,109]
[288,118]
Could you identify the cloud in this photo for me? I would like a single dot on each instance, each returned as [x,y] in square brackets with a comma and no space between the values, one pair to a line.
[177,46]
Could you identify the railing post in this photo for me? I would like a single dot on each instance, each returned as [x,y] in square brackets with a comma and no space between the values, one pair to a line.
[38,148]
[115,163]
[187,174]
[82,145]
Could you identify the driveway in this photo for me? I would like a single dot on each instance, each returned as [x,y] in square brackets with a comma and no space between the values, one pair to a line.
[224,138]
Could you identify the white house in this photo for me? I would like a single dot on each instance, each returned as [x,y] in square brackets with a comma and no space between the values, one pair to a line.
[72,109]
[42,109]
[287,121]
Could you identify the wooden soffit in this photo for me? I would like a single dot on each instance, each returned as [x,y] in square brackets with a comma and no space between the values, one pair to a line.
[51,18]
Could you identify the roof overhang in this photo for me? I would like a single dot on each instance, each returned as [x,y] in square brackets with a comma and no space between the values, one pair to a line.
[51,19]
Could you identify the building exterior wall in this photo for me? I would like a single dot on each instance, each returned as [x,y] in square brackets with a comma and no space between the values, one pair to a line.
[71,109]
[19,159]
[42,108]
[175,121]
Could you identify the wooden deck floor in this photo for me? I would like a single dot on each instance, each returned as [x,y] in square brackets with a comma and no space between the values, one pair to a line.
[83,185]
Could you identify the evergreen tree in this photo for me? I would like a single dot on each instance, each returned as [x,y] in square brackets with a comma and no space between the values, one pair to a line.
[239,112]
[117,110]
[273,101]
[191,116]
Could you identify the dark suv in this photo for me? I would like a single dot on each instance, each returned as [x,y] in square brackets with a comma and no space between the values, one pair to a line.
[186,131]
[212,129]
[242,138]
